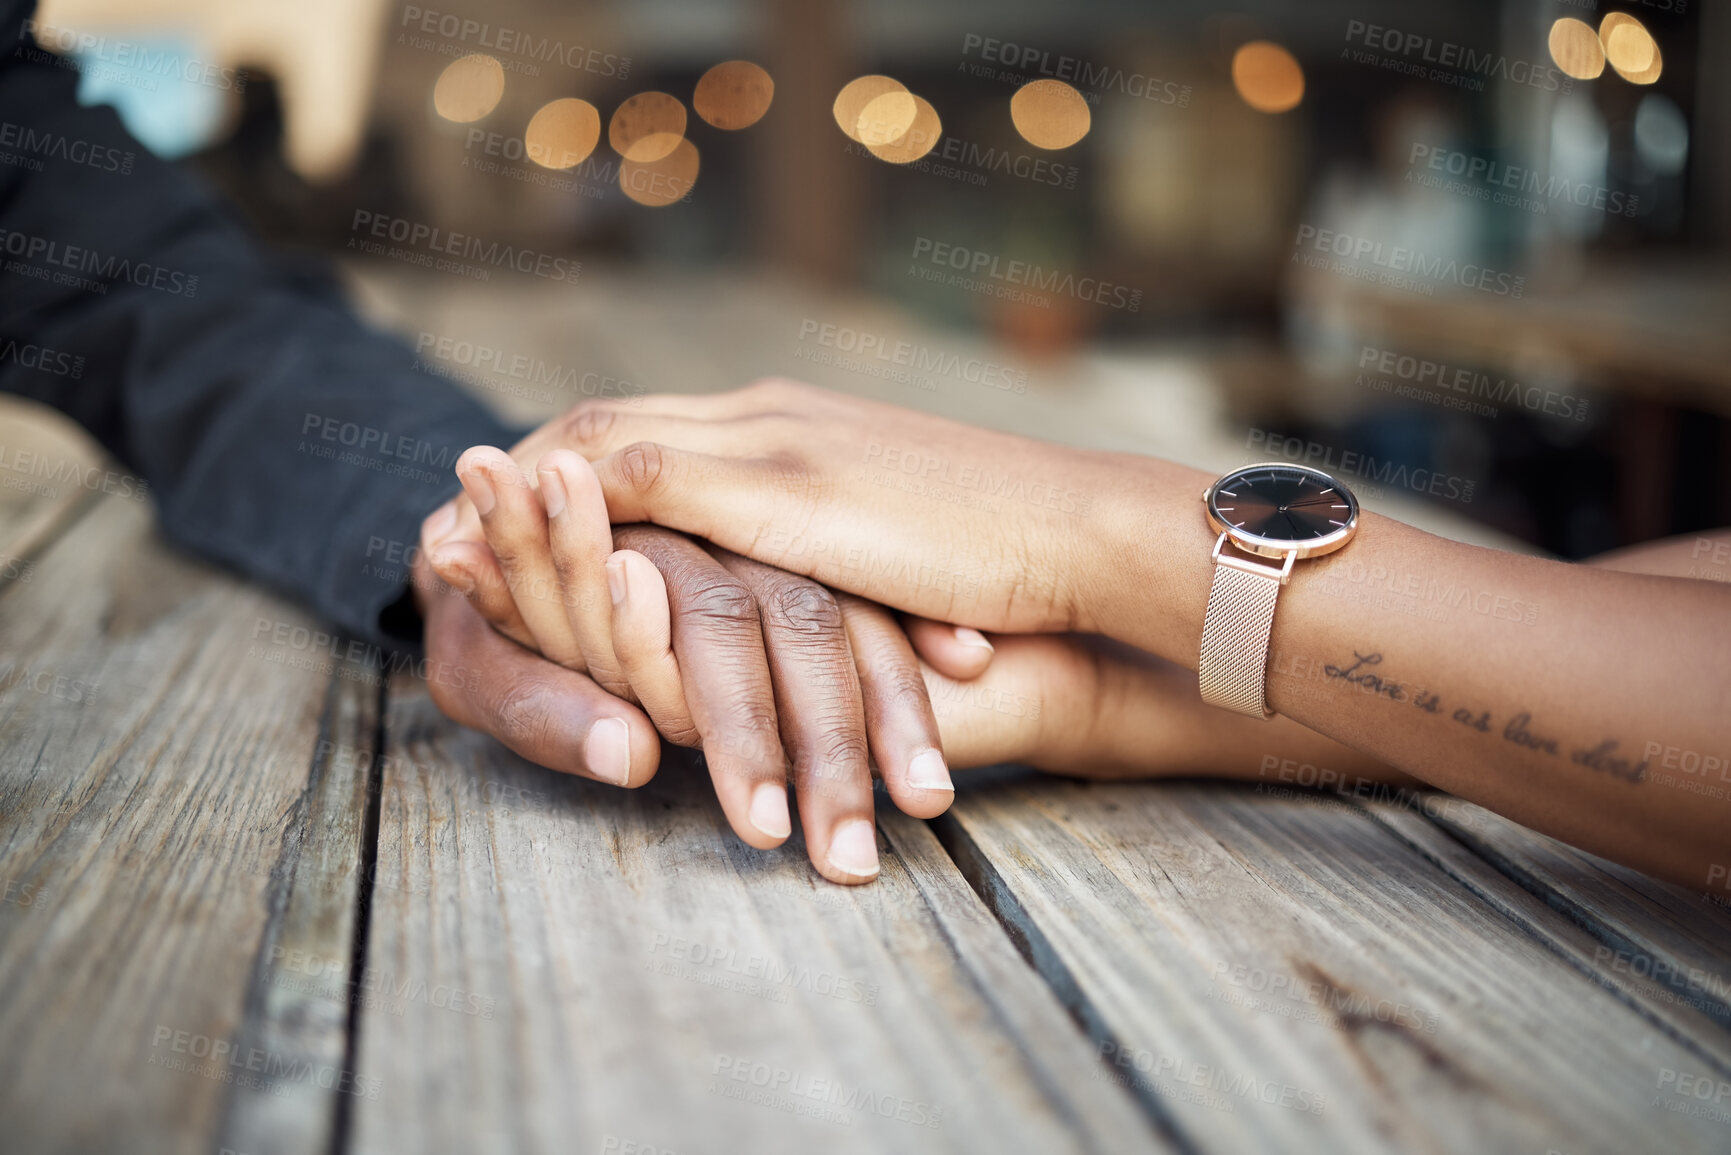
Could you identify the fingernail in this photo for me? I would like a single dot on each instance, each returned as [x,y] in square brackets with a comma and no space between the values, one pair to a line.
[607,751]
[769,810]
[964,634]
[616,579]
[479,487]
[552,491]
[854,848]
[452,571]
[440,522]
[927,771]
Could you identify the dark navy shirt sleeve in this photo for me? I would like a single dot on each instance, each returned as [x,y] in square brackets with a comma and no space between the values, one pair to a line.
[278,434]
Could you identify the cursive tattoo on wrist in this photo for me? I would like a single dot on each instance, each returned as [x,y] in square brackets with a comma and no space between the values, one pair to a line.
[1355,675]
[1519,730]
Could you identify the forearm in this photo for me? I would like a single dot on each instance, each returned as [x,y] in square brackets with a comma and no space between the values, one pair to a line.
[1545,691]
[277,433]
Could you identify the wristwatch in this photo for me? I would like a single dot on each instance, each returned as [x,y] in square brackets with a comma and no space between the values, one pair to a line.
[1266,510]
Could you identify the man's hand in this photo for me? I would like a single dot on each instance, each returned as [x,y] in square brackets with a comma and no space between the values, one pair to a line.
[753,664]
[550,715]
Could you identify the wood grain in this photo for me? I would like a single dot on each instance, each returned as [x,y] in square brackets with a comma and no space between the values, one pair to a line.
[1257,955]
[1643,928]
[44,462]
[1578,944]
[565,962]
[305,991]
[154,762]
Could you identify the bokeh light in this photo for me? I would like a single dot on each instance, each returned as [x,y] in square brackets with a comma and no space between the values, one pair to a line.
[1576,50]
[923,132]
[665,179]
[1628,45]
[851,101]
[1050,114]
[1630,48]
[733,95]
[562,133]
[469,88]
[1267,77]
[1647,75]
[647,127]
[886,119]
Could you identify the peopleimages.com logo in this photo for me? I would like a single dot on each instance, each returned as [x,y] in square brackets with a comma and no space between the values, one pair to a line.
[1368,259]
[151,61]
[1426,57]
[1024,62]
[427,243]
[1351,463]
[55,261]
[1513,185]
[37,144]
[985,272]
[1438,382]
[448,34]
[221,1060]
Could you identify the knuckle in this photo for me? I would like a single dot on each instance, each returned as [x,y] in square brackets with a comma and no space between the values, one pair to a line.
[833,766]
[642,466]
[789,473]
[645,539]
[720,600]
[904,690]
[513,556]
[802,607]
[750,736]
[522,713]
[842,746]
[589,422]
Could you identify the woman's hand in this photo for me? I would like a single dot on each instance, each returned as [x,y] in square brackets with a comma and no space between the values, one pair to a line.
[929,516]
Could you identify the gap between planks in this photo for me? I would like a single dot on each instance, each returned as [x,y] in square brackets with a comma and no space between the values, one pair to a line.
[319,898]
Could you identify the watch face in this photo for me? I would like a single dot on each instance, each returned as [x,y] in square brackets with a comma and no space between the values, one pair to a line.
[1276,508]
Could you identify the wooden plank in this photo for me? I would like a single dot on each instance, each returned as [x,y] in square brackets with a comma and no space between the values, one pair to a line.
[1276,972]
[1693,1022]
[45,465]
[304,993]
[154,786]
[1642,928]
[563,966]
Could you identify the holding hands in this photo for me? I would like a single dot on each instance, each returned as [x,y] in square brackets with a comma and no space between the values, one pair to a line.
[765,670]
[763,635]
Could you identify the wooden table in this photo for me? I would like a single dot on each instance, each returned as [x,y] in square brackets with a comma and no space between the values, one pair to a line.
[261,897]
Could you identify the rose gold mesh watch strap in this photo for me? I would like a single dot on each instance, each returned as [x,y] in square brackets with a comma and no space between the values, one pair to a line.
[1234,666]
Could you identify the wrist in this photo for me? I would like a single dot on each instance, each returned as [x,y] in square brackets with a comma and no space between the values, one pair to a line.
[1153,559]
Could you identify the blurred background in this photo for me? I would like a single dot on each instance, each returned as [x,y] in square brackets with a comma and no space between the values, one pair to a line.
[1472,257]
